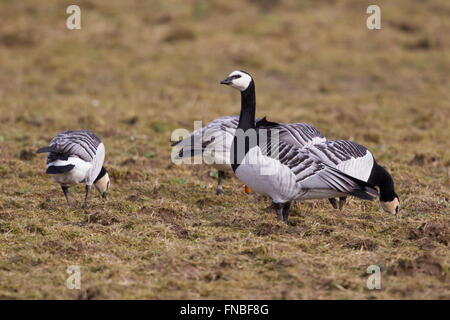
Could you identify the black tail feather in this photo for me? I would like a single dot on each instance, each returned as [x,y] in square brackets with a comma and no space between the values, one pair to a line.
[59,169]
[364,187]
[372,190]
[361,194]
[47,149]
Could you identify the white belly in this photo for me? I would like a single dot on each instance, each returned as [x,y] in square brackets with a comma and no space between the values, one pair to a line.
[73,177]
[268,176]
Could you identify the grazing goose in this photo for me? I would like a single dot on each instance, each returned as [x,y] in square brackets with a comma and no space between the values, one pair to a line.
[356,161]
[218,136]
[282,171]
[74,157]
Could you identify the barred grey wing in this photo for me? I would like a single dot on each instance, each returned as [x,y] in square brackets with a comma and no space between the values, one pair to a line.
[80,143]
[337,151]
[301,134]
[312,173]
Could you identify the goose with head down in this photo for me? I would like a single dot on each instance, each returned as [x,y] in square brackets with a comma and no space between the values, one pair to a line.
[74,157]
[358,162]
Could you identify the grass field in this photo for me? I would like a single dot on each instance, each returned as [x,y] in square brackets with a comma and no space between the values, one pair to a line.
[137,70]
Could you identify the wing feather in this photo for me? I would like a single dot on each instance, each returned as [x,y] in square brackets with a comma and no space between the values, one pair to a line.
[312,173]
[82,144]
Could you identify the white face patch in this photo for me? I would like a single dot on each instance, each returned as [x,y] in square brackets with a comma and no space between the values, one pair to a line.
[391,207]
[242,80]
[102,184]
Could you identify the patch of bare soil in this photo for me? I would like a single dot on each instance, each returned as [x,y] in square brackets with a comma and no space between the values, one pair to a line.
[265,229]
[27,154]
[174,219]
[361,244]
[89,294]
[429,233]
[425,264]
[420,159]
[105,218]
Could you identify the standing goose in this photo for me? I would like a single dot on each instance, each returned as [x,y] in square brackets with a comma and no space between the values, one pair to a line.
[218,136]
[286,172]
[74,157]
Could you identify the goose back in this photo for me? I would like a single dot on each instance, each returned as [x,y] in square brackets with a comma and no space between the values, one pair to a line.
[81,143]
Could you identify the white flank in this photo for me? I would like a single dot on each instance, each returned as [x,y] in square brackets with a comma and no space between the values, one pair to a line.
[74,176]
[267,176]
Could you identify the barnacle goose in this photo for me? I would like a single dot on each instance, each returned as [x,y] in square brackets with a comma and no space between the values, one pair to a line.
[358,162]
[217,136]
[74,157]
[282,171]
[214,141]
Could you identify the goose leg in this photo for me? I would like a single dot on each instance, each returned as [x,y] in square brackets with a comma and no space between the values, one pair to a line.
[286,208]
[220,175]
[333,202]
[342,201]
[66,194]
[279,210]
[88,188]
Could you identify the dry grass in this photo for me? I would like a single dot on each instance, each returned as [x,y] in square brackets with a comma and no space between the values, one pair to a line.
[139,69]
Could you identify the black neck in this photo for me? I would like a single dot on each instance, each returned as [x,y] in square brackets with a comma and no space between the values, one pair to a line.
[248,107]
[246,122]
[101,174]
[381,178]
